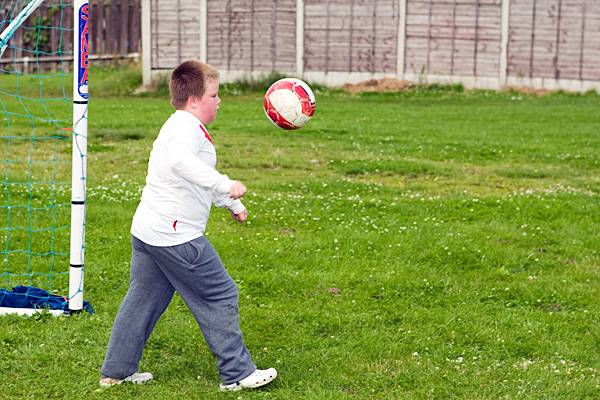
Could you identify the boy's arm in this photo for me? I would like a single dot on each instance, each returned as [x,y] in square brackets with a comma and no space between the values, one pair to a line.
[235,207]
[225,201]
[187,165]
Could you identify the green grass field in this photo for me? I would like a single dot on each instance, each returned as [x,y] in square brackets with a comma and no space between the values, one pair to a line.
[434,244]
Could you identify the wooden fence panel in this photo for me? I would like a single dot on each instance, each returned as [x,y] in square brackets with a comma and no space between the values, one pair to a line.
[453,37]
[590,38]
[256,35]
[175,26]
[558,39]
[351,36]
[135,27]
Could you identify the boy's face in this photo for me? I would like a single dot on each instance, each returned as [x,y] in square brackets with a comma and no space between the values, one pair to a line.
[205,108]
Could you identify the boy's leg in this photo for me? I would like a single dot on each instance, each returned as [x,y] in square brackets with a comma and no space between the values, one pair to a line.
[198,275]
[148,296]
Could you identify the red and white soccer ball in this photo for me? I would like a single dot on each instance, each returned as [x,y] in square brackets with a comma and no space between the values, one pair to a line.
[289,103]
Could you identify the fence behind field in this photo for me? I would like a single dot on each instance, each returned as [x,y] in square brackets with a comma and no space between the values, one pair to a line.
[481,43]
[45,41]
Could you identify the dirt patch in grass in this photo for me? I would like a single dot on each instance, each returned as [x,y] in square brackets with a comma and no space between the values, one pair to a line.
[379,85]
[527,90]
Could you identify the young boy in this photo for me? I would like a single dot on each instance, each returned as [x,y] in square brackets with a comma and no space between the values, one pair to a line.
[169,250]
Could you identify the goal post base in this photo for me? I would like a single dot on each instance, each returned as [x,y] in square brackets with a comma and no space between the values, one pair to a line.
[30,311]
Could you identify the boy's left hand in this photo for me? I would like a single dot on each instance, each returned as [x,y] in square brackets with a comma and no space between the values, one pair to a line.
[241,217]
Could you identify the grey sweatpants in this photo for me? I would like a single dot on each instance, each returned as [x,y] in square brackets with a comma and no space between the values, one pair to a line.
[196,272]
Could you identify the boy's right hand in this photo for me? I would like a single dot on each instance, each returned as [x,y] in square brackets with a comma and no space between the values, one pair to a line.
[237,190]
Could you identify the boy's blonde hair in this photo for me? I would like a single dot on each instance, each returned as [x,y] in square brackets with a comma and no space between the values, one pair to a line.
[190,79]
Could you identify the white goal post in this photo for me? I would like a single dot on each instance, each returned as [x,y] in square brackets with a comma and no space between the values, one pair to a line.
[81,21]
[80,132]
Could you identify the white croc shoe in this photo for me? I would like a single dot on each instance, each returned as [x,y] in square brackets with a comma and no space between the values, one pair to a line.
[137,378]
[256,379]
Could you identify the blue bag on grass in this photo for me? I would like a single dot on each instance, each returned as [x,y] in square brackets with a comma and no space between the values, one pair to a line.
[33,297]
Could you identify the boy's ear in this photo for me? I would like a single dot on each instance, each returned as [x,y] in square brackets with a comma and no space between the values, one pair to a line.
[192,101]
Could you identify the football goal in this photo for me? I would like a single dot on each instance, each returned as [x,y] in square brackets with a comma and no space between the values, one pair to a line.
[43,150]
